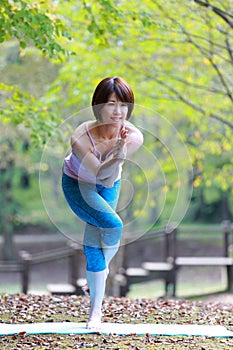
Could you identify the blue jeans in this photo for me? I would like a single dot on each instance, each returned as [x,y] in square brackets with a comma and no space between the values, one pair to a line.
[95,204]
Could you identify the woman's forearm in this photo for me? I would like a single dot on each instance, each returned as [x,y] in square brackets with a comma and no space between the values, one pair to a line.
[109,171]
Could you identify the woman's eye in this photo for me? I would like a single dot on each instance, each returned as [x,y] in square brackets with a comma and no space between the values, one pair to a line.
[113,104]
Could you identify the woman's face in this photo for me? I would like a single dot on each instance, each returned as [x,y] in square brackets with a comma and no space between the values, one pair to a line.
[114,112]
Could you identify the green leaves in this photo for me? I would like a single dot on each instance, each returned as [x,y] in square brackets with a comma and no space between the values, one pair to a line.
[176,55]
[23,108]
[31,23]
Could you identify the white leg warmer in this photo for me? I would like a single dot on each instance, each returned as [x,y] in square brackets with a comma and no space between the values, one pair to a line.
[96,283]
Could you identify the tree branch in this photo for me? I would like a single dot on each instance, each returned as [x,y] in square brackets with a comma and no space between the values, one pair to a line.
[221,48]
[222,79]
[222,120]
[224,15]
[229,49]
[204,51]
[180,97]
[194,85]
[194,106]
[214,65]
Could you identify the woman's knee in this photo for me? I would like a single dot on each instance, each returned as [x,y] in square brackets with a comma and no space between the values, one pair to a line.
[112,235]
[95,259]
[114,222]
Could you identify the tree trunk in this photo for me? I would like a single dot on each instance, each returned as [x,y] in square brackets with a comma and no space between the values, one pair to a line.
[7,246]
[225,208]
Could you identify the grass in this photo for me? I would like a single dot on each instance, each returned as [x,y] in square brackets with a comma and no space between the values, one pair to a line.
[154,289]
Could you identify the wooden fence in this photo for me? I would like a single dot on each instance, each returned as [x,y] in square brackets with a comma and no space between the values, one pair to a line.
[138,271]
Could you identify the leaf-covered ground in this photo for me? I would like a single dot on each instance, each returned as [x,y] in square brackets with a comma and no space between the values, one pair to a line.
[19,308]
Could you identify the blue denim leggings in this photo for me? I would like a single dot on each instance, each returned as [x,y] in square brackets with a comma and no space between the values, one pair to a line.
[95,204]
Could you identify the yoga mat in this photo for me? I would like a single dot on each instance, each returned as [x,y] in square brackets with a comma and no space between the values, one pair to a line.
[116,328]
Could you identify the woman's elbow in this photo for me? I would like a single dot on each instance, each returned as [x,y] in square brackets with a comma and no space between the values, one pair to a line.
[72,141]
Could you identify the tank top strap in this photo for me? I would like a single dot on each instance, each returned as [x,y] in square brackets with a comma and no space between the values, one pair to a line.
[95,150]
[90,137]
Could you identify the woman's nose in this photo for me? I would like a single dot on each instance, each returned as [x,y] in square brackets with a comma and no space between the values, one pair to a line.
[117,109]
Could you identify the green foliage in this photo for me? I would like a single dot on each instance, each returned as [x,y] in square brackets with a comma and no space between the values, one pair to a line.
[28,111]
[7,173]
[176,55]
[29,22]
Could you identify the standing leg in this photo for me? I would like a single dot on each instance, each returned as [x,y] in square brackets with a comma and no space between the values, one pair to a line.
[95,274]
[96,282]
[104,229]
[98,259]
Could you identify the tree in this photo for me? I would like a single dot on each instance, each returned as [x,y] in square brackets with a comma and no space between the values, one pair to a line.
[177,57]
[206,88]
[31,24]
[6,182]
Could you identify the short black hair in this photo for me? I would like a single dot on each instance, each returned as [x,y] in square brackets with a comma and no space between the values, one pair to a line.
[105,88]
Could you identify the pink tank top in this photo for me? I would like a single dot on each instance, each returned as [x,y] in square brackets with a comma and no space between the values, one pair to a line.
[73,166]
[96,152]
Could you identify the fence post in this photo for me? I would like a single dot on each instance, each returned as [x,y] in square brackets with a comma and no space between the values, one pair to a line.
[170,240]
[74,263]
[26,260]
[226,233]
[171,231]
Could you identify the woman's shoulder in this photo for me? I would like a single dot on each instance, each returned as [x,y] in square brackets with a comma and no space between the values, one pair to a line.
[130,126]
[82,129]
[79,139]
[134,132]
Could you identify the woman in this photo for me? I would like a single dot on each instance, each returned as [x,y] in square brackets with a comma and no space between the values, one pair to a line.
[91,180]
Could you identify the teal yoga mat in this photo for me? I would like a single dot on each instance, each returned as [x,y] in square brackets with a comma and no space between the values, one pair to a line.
[117,328]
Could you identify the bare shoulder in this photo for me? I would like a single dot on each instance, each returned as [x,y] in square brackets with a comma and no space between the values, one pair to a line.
[79,139]
[82,129]
[134,134]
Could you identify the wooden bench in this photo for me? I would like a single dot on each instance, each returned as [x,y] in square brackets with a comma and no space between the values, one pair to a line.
[67,288]
[136,275]
[209,261]
[149,271]
[224,261]
[10,267]
[14,267]
[61,288]
[28,260]
[167,269]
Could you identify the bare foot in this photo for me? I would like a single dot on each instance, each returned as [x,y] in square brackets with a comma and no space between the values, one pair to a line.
[94,322]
